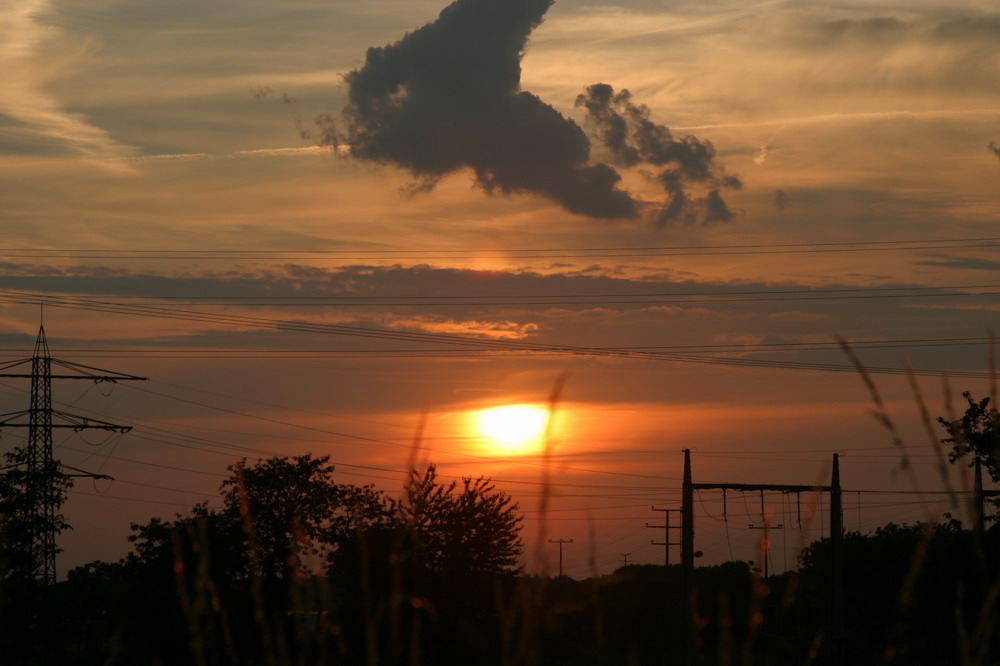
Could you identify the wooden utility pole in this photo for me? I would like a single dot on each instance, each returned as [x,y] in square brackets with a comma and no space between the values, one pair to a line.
[836,568]
[666,527]
[979,496]
[560,542]
[687,561]
[765,543]
[978,503]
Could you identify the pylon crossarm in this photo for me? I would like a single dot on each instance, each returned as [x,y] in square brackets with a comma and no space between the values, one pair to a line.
[84,473]
[97,374]
[11,415]
[14,364]
[86,423]
[94,378]
[73,421]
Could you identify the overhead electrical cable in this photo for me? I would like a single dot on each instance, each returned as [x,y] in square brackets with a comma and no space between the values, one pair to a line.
[466,341]
[506,253]
[427,352]
[525,300]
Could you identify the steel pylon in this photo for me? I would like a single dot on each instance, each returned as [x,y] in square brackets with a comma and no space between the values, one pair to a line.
[44,478]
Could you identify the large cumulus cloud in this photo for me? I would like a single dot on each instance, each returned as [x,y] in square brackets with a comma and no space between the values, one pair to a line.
[448,97]
[632,138]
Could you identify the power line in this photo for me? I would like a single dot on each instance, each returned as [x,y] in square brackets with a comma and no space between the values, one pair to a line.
[309,354]
[202,443]
[551,299]
[505,253]
[190,441]
[469,342]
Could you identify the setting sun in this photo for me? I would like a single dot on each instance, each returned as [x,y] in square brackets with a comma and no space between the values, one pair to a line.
[514,428]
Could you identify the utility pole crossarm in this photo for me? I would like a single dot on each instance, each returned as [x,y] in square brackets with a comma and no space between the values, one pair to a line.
[89,372]
[14,364]
[114,377]
[95,378]
[73,421]
[86,474]
[777,487]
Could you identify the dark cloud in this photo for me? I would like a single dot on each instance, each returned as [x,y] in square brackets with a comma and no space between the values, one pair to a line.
[968,263]
[447,97]
[579,308]
[780,199]
[260,92]
[879,27]
[626,131]
[969,26]
[955,27]
[716,209]
[264,92]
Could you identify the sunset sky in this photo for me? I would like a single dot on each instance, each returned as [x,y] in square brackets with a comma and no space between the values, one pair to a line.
[307,246]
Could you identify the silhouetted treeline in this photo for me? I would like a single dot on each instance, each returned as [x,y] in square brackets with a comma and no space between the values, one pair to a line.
[914,595]
[297,569]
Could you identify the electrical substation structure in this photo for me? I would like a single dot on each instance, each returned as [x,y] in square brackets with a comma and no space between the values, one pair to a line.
[836,616]
[41,473]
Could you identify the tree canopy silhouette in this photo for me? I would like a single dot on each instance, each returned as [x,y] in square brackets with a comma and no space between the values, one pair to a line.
[289,541]
[281,513]
[462,529]
[975,435]
[24,492]
[289,509]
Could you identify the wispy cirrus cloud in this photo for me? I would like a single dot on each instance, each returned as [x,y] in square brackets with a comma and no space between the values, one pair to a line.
[255,152]
[25,99]
[856,117]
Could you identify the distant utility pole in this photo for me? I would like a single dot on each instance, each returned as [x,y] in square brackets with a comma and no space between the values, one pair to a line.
[765,543]
[624,559]
[666,527]
[42,474]
[560,542]
[979,500]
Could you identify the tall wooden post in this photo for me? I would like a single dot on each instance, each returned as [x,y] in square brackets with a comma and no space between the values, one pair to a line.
[836,568]
[687,560]
[978,503]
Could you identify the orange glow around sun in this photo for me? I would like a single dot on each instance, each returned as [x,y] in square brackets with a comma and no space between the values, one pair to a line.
[513,429]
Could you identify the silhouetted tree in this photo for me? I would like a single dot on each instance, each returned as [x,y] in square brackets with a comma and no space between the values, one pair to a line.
[425,583]
[462,529]
[914,593]
[23,494]
[976,435]
[291,508]
[237,582]
[27,634]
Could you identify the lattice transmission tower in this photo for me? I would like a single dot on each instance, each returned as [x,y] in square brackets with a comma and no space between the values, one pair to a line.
[41,478]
